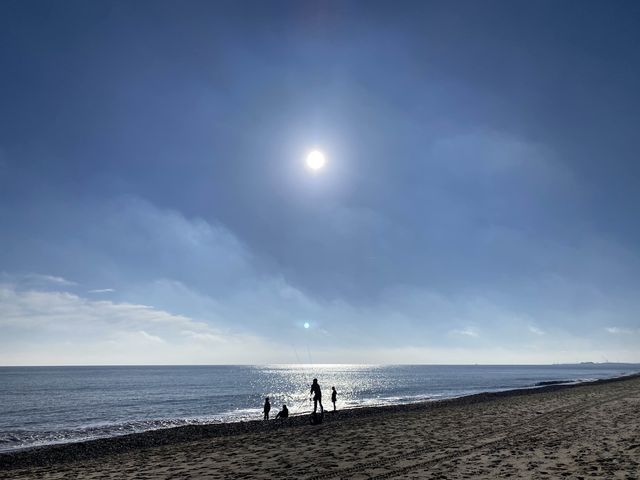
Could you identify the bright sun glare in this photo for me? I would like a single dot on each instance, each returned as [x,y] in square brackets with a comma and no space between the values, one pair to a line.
[315,160]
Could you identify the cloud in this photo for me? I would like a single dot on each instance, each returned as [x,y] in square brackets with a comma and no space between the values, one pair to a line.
[622,331]
[535,330]
[133,339]
[466,332]
[51,279]
[44,327]
[62,327]
[150,338]
[64,311]
[195,285]
[204,337]
[36,280]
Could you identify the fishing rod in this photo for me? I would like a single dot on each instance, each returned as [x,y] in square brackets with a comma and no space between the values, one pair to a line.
[304,369]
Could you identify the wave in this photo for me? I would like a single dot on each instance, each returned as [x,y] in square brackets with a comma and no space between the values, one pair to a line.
[547,383]
[553,382]
[19,439]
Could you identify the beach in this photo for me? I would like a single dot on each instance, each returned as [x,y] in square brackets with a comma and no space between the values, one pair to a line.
[590,430]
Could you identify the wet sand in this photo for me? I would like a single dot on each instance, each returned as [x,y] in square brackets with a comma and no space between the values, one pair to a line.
[585,431]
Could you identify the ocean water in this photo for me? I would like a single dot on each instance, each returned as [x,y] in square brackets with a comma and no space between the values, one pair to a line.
[44,405]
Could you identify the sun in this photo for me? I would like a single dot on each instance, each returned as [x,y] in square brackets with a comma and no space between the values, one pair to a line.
[315,160]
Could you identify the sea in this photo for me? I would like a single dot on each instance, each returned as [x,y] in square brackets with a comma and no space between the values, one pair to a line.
[49,405]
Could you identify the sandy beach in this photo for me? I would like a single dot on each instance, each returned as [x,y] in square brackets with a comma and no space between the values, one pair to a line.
[584,431]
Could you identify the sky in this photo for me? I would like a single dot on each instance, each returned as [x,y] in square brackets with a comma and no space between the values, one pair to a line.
[479,202]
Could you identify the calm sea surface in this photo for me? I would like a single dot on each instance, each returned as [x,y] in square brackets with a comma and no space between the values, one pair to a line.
[43,405]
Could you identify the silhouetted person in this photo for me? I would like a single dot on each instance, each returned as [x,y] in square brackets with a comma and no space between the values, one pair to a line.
[267,408]
[334,397]
[284,413]
[317,395]
[316,418]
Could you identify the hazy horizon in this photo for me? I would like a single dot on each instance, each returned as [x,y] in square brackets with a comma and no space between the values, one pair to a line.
[478,204]
[319,365]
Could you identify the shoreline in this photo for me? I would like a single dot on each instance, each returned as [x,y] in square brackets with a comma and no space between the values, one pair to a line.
[48,455]
[258,413]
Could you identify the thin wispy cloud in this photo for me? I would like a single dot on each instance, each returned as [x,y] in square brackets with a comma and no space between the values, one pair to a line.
[52,279]
[36,280]
[622,331]
[466,332]
[151,338]
[200,336]
[535,330]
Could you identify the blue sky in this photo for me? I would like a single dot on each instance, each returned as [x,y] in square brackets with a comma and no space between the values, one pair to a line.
[479,202]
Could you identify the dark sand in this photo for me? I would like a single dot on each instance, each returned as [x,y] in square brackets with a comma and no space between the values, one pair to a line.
[586,431]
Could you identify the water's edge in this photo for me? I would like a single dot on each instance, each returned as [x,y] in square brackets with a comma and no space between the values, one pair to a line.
[61,453]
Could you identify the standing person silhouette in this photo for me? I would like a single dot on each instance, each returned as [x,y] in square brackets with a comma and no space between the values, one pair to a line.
[267,408]
[334,397]
[317,395]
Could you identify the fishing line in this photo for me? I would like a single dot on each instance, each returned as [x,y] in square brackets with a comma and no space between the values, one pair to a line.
[296,352]
[309,355]
[304,371]
[297,408]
